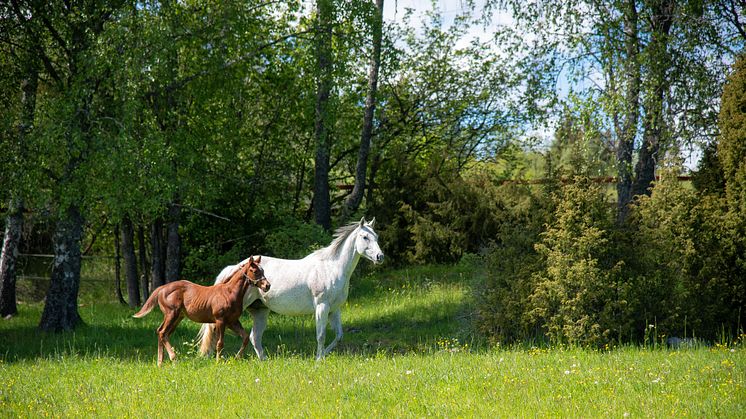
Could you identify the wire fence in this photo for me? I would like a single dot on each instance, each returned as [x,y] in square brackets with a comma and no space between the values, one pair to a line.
[97,276]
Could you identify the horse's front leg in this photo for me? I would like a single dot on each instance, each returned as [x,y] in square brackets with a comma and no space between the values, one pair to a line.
[322,317]
[259,319]
[335,319]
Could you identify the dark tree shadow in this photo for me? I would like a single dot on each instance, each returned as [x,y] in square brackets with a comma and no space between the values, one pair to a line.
[110,330]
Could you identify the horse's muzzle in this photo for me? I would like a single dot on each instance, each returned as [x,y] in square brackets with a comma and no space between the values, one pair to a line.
[379,258]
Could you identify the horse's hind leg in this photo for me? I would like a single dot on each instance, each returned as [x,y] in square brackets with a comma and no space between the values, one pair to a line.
[259,319]
[170,322]
[219,334]
[236,327]
[160,343]
[159,334]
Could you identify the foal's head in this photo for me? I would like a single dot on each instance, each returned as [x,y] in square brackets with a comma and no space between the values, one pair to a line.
[254,273]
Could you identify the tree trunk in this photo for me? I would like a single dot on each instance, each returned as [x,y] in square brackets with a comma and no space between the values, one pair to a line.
[117,267]
[323,123]
[173,245]
[14,222]
[353,201]
[130,263]
[13,228]
[157,265]
[143,263]
[632,99]
[657,85]
[61,307]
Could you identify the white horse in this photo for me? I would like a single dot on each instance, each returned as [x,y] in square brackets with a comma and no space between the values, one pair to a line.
[317,284]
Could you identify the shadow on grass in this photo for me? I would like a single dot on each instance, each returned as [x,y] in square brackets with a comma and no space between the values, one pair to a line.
[398,332]
[110,330]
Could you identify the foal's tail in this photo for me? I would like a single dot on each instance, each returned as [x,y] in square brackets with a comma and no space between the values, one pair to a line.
[148,306]
[207,342]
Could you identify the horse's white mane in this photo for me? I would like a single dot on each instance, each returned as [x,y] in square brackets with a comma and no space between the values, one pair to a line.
[335,247]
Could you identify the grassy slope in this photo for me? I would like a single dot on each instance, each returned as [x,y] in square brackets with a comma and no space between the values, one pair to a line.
[405,352]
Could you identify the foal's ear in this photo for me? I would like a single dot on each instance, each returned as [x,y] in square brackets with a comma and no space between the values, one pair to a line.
[251,260]
[258,260]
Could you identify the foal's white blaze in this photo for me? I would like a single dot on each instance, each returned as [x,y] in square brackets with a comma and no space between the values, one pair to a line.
[317,284]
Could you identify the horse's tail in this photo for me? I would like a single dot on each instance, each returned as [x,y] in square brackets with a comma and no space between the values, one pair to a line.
[207,342]
[149,304]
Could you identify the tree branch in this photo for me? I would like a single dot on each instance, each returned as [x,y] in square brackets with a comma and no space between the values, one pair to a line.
[202,211]
[178,84]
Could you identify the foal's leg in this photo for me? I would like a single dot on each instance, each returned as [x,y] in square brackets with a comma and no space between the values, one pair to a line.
[335,319]
[171,321]
[236,327]
[219,333]
[259,319]
[160,342]
[322,316]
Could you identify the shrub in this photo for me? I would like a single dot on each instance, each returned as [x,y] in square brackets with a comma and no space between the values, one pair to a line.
[664,238]
[437,218]
[294,239]
[503,298]
[574,295]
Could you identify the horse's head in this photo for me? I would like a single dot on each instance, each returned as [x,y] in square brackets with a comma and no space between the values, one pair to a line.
[366,242]
[254,273]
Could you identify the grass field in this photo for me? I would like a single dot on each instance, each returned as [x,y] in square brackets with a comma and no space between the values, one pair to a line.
[407,351]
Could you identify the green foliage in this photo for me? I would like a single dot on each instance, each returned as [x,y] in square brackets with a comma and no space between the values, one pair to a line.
[295,239]
[718,292]
[573,295]
[664,232]
[732,144]
[503,298]
[203,263]
[580,146]
[709,177]
[732,156]
[440,216]
[672,271]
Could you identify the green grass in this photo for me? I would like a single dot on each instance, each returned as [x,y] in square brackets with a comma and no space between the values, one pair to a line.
[406,352]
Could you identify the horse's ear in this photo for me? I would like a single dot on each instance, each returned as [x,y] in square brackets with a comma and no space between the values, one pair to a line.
[372,222]
[251,260]
[362,222]
[258,260]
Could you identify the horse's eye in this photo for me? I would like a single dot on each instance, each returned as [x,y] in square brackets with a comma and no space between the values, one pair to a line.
[366,238]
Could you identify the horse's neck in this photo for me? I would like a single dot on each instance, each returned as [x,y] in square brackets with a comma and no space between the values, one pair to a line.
[236,277]
[347,258]
[237,285]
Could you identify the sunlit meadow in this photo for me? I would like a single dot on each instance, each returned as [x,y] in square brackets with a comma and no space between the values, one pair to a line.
[407,351]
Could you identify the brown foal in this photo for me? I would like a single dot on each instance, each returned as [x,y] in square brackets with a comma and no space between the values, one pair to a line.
[221,304]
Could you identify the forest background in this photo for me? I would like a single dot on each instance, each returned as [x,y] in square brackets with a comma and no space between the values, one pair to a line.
[187,135]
